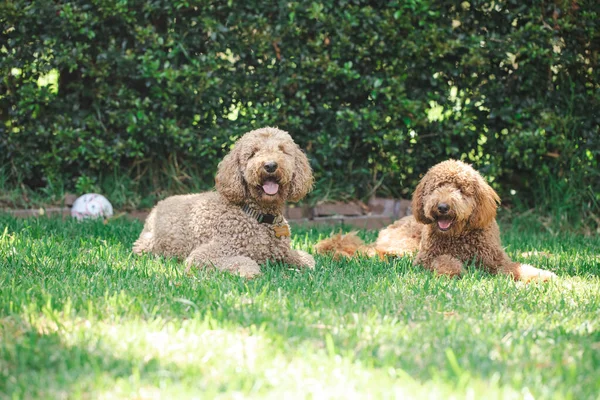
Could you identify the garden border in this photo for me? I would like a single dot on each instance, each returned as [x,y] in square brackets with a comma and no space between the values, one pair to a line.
[378,213]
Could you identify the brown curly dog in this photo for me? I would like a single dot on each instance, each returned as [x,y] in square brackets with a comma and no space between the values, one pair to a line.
[241,225]
[453,222]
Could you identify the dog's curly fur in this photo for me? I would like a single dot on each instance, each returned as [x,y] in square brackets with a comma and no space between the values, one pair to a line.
[453,222]
[210,229]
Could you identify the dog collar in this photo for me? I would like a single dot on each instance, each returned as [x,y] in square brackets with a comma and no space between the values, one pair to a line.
[260,217]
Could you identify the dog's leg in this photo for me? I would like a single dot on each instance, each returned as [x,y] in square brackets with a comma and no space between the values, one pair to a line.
[342,245]
[498,262]
[300,259]
[212,255]
[442,265]
[526,272]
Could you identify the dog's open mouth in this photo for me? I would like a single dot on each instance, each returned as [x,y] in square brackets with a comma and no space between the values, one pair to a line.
[270,187]
[444,224]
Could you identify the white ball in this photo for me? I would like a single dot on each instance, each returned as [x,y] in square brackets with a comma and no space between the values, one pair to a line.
[91,205]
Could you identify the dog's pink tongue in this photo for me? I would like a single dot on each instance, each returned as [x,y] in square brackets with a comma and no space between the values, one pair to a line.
[270,187]
[444,224]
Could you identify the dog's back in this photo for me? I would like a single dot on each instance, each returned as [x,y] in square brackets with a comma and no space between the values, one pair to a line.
[168,229]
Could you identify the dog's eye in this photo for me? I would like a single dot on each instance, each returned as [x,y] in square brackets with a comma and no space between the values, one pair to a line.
[284,150]
[253,153]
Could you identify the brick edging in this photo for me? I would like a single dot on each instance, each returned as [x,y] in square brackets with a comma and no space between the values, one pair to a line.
[377,214]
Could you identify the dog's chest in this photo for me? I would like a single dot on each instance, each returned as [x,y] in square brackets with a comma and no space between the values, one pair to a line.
[267,242]
[465,247]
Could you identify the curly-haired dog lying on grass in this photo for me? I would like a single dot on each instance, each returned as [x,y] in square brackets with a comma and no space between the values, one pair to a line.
[241,225]
[454,223]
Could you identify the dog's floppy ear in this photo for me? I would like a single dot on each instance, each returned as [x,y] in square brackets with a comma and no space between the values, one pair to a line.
[229,180]
[418,203]
[486,204]
[302,179]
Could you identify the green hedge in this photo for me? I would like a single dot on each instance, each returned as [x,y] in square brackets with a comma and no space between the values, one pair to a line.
[376,92]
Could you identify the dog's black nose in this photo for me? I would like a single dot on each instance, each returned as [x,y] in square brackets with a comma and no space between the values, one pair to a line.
[271,166]
[443,208]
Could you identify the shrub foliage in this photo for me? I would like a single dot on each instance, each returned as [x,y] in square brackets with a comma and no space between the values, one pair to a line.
[376,92]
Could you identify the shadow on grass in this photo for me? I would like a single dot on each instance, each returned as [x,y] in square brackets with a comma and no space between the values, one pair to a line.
[68,228]
[42,366]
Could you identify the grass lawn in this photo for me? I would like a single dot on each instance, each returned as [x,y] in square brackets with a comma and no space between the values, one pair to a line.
[81,317]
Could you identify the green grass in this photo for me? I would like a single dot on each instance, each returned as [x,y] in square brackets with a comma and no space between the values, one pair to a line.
[81,317]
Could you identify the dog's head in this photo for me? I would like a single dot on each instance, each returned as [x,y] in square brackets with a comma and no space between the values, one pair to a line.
[455,197]
[267,166]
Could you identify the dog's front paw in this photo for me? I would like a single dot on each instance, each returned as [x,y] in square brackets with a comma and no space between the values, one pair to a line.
[529,273]
[447,265]
[248,271]
[303,260]
[240,265]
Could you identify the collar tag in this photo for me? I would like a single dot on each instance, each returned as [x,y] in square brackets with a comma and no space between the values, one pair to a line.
[282,230]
